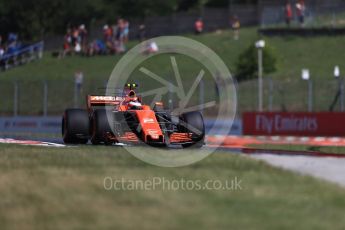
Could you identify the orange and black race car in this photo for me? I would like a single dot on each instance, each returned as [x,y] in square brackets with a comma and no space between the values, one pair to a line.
[124,119]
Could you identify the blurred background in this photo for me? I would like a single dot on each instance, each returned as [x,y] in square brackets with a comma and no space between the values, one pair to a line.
[53,53]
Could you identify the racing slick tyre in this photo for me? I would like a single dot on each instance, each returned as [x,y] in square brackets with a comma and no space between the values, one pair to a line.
[75,126]
[193,122]
[99,127]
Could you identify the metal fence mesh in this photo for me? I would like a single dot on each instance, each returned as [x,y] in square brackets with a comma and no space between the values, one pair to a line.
[36,97]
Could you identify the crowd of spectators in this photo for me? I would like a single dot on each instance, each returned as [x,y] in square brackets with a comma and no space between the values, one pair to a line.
[234,22]
[115,37]
[75,40]
[114,40]
[9,46]
[300,12]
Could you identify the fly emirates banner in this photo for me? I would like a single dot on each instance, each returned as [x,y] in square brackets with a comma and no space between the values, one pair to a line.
[294,123]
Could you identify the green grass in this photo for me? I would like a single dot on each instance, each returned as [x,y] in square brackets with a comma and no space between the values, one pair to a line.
[319,54]
[320,149]
[62,188]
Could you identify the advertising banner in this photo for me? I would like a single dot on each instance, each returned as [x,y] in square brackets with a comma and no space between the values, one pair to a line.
[30,124]
[294,123]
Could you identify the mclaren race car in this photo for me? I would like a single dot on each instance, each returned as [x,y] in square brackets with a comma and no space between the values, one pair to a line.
[124,119]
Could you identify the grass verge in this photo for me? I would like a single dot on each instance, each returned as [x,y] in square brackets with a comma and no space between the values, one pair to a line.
[62,188]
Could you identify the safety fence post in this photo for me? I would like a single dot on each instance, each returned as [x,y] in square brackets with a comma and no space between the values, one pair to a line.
[45,98]
[15,99]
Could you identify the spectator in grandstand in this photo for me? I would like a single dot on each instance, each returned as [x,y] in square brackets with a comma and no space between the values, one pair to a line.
[12,37]
[142,32]
[2,48]
[76,40]
[12,43]
[2,51]
[198,26]
[114,39]
[300,8]
[96,47]
[125,31]
[77,48]
[119,47]
[67,43]
[115,29]
[235,25]
[288,13]
[121,36]
[82,39]
[118,32]
[107,36]
[75,36]
[90,49]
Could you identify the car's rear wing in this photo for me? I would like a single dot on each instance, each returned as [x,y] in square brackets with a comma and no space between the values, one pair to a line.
[103,101]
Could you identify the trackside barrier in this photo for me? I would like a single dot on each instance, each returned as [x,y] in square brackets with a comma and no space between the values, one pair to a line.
[236,128]
[294,123]
[30,124]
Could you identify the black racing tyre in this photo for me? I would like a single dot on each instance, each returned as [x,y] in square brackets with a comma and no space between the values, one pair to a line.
[193,122]
[75,126]
[99,127]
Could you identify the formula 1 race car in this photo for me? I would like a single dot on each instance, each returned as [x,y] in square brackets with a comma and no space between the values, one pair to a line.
[124,119]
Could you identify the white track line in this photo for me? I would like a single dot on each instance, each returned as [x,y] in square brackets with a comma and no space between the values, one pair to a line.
[30,142]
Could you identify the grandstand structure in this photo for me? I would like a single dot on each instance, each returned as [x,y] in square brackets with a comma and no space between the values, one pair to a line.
[21,55]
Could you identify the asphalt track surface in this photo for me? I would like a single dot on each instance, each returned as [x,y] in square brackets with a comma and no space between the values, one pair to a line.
[329,167]
[326,168]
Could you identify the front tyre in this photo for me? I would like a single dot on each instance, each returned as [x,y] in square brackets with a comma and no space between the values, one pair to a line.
[75,126]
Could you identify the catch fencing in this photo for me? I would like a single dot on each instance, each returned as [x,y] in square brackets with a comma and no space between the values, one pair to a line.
[293,95]
[318,14]
[51,97]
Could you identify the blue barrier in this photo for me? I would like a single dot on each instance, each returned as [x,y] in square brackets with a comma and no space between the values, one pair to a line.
[34,51]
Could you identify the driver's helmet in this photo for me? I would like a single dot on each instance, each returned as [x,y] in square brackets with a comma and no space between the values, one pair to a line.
[132,96]
[133,101]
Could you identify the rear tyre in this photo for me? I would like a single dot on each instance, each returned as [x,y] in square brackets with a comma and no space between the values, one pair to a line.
[193,122]
[75,126]
[99,127]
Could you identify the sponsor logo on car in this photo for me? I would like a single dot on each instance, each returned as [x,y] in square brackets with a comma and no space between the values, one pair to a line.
[153,133]
[148,120]
[102,98]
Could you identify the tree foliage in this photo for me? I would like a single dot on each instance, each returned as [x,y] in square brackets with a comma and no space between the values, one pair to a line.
[247,65]
[35,18]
